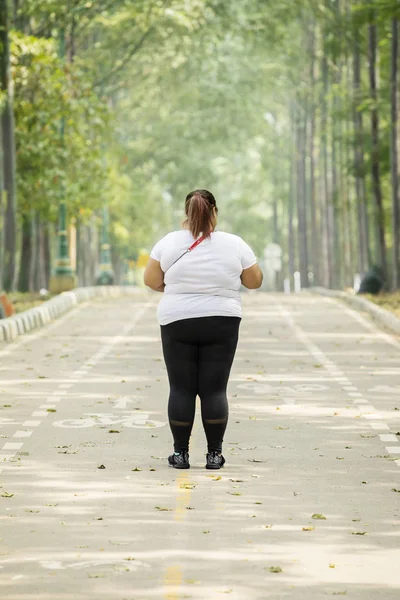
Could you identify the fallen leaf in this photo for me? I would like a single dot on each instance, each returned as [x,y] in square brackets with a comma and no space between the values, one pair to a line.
[101,467]
[136,469]
[319,516]
[162,509]
[275,570]
[113,431]
[217,478]
[6,495]
[332,566]
[359,532]
[187,486]
[395,490]
[308,528]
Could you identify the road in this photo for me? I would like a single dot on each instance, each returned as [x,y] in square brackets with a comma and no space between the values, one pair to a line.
[306,507]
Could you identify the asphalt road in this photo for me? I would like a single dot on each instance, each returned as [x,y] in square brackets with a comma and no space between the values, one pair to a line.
[307,506]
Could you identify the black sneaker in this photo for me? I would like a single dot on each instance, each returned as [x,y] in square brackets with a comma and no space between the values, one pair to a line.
[215,460]
[179,461]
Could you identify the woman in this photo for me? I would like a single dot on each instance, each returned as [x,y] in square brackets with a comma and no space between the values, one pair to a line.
[200,272]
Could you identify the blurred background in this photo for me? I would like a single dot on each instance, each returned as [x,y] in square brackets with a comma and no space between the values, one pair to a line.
[113,110]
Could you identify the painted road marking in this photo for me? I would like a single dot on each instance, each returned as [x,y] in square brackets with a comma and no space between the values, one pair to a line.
[13,446]
[22,434]
[332,368]
[379,426]
[31,423]
[393,449]
[63,392]
[388,437]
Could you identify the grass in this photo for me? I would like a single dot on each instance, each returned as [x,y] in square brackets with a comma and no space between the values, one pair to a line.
[25,301]
[389,301]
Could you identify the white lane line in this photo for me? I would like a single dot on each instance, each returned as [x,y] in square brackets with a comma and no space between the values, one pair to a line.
[317,353]
[388,437]
[30,337]
[61,391]
[12,446]
[25,434]
[379,426]
[389,339]
[355,394]
[393,449]
[367,407]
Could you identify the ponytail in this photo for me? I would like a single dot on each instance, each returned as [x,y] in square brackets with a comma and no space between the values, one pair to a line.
[199,210]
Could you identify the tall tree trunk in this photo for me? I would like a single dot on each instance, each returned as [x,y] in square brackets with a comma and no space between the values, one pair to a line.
[8,144]
[315,256]
[291,202]
[394,156]
[375,158]
[33,254]
[359,163]
[41,279]
[47,253]
[325,196]
[26,253]
[301,195]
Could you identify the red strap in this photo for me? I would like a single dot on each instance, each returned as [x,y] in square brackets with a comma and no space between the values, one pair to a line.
[196,243]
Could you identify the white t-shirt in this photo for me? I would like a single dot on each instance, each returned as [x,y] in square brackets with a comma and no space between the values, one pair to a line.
[204,282]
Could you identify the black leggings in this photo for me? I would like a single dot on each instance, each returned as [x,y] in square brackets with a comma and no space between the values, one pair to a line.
[199,354]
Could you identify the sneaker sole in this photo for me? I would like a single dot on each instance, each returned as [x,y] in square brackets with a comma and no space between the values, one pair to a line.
[214,467]
[179,466]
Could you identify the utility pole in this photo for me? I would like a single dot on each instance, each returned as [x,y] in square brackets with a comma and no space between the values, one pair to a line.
[63,278]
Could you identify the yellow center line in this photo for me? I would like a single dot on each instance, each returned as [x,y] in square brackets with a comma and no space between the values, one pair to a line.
[173,577]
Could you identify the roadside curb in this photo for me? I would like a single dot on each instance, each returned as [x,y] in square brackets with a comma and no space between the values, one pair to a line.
[382,316]
[13,327]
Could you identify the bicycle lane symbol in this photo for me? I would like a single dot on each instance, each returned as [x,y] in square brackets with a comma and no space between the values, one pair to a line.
[137,420]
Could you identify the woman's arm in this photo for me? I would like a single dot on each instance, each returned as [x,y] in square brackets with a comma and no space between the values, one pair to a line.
[252,277]
[154,276]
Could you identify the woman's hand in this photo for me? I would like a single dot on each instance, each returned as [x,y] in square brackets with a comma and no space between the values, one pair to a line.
[154,276]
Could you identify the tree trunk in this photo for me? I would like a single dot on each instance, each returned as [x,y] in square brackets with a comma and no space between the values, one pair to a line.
[8,144]
[394,156]
[315,256]
[41,279]
[359,163]
[291,204]
[33,254]
[26,253]
[325,201]
[301,195]
[375,164]
[47,254]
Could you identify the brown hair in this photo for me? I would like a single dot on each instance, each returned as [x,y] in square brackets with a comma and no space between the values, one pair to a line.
[199,207]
